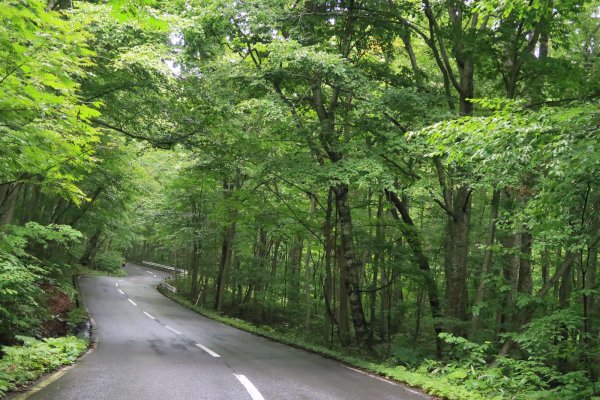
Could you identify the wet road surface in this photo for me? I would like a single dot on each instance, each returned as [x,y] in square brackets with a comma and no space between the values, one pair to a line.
[149,347]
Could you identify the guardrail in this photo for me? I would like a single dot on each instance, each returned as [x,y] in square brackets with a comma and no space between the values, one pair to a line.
[170,288]
[167,268]
[162,267]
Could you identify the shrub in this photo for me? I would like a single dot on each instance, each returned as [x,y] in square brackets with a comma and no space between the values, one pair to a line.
[22,364]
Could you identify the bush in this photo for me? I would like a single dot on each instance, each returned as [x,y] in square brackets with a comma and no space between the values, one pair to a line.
[22,364]
[19,293]
[110,261]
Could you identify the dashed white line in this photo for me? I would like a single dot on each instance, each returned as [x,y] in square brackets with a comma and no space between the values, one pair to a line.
[132,302]
[122,292]
[252,390]
[173,330]
[117,284]
[148,315]
[150,272]
[206,349]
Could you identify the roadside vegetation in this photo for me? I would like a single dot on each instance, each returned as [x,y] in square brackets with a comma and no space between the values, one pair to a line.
[22,364]
[414,184]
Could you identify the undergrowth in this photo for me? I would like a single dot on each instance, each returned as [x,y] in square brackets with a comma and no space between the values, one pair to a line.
[22,364]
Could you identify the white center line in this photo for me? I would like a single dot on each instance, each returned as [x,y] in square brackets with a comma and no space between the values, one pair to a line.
[150,272]
[117,284]
[132,302]
[252,390]
[206,349]
[122,292]
[148,315]
[172,330]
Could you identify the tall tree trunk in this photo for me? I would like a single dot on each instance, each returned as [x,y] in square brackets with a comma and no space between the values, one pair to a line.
[328,281]
[352,266]
[194,271]
[92,245]
[307,290]
[487,260]
[456,249]
[342,310]
[8,202]
[225,260]
[272,288]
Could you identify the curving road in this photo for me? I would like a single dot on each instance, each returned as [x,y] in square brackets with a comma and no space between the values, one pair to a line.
[149,347]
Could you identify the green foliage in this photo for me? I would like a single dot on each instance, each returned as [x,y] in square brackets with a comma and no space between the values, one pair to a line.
[21,274]
[45,131]
[19,294]
[109,261]
[22,364]
[76,317]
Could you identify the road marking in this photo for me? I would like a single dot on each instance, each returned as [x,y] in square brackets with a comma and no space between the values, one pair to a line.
[379,378]
[148,315]
[252,390]
[117,284]
[172,330]
[150,272]
[122,292]
[132,302]
[206,349]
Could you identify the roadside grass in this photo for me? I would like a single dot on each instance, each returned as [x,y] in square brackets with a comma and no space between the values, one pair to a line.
[23,364]
[81,270]
[437,385]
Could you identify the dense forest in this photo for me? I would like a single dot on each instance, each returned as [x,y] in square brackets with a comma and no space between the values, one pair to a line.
[413,182]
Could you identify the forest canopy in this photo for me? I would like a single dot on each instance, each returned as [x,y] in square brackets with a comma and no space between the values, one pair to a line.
[413,182]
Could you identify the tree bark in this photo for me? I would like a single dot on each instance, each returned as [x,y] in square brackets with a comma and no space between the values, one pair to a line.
[352,266]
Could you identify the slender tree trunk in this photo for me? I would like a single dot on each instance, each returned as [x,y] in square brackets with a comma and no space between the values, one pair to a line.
[194,271]
[410,232]
[487,260]
[307,290]
[226,250]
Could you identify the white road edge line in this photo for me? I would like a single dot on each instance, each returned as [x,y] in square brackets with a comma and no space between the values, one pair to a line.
[148,315]
[132,302]
[379,378]
[173,330]
[252,390]
[206,349]
[122,292]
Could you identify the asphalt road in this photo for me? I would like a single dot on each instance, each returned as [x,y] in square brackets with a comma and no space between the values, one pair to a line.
[149,347]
